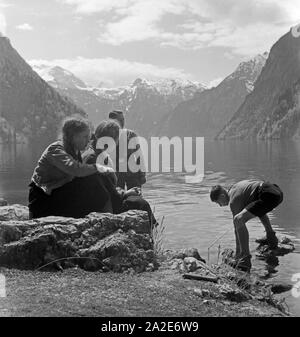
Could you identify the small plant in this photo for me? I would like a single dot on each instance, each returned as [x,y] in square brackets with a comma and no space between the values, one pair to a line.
[157,234]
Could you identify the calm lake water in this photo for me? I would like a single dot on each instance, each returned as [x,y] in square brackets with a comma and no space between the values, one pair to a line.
[191,219]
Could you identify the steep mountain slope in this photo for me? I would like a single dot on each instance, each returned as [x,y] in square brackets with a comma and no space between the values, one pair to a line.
[272,110]
[208,111]
[29,107]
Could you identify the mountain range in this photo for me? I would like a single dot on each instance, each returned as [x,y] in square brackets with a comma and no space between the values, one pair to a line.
[144,102]
[169,107]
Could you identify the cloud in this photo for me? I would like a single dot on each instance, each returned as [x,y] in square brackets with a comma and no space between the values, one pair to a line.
[250,40]
[24,26]
[2,24]
[215,82]
[246,41]
[96,6]
[231,24]
[140,22]
[2,19]
[112,72]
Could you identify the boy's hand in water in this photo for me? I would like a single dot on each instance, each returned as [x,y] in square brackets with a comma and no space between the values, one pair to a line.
[133,191]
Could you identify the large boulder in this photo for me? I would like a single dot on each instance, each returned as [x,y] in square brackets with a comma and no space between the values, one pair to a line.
[122,250]
[101,240]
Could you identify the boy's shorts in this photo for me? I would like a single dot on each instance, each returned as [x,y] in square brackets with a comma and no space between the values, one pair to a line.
[269,196]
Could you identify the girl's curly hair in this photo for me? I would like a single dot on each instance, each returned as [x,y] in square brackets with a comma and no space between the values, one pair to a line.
[108,128]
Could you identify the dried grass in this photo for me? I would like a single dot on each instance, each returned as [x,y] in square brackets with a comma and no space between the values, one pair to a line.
[158,235]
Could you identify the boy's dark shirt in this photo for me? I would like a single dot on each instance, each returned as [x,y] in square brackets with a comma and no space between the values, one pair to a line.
[242,194]
[140,175]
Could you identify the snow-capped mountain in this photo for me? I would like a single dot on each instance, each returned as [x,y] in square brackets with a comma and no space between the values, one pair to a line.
[144,102]
[272,110]
[29,107]
[249,71]
[208,111]
[58,77]
[169,87]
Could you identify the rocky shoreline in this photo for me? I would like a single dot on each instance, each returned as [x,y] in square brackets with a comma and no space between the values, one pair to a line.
[123,245]
[98,241]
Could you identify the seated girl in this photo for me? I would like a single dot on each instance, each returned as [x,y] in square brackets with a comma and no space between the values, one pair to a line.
[62,184]
[121,200]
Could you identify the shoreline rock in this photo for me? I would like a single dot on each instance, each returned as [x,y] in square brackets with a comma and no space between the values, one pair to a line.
[98,241]
[221,282]
[285,246]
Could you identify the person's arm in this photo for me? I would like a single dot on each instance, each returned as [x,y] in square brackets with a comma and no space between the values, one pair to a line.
[90,158]
[108,170]
[58,157]
[266,223]
[87,154]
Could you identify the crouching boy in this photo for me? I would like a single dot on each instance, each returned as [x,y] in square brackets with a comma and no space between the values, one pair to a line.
[249,199]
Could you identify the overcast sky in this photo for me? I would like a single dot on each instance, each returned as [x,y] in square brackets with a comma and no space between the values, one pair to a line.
[115,41]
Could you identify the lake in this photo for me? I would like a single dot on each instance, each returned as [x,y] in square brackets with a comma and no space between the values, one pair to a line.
[191,219]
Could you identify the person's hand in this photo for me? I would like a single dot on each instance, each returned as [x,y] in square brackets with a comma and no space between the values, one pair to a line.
[101,168]
[134,191]
[104,169]
[109,170]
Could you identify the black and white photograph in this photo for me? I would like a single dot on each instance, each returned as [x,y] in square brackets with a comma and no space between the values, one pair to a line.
[149,162]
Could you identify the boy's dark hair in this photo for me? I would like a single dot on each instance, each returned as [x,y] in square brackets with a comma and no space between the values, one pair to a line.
[115,114]
[119,116]
[215,192]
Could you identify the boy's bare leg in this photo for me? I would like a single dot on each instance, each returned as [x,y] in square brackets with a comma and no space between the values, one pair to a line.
[243,236]
[237,245]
